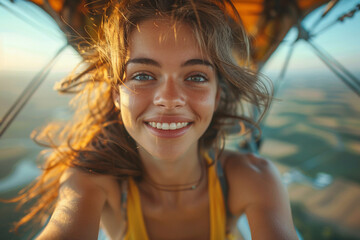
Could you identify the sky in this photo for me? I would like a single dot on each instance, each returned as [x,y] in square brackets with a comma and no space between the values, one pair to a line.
[28,45]
[341,40]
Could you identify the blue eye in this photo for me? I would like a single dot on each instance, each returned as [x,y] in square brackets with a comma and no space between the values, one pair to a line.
[197,78]
[142,77]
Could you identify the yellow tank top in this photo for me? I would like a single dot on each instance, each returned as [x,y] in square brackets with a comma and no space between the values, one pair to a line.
[136,225]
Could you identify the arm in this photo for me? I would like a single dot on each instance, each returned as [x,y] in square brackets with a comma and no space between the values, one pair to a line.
[257,190]
[78,209]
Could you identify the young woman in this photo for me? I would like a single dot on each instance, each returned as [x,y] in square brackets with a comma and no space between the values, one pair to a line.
[143,157]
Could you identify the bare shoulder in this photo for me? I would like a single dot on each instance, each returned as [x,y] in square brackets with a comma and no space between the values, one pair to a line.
[81,200]
[250,172]
[84,183]
[78,185]
[255,188]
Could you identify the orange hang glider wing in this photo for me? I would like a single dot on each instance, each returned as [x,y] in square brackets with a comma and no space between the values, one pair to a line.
[266,21]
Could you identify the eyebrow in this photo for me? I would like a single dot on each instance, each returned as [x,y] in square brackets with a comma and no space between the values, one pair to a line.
[146,61]
[197,61]
[149,61]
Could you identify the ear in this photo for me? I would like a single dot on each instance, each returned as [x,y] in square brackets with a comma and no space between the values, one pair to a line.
[116,97]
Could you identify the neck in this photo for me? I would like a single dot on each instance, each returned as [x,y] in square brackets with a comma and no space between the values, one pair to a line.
[171,178]
[177,187]
[181,170]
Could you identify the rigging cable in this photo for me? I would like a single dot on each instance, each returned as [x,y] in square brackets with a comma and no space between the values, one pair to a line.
[342,18]
[338,69]
[28,92]
[331,4]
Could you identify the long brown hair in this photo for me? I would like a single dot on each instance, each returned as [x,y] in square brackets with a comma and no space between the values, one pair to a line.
[95,140]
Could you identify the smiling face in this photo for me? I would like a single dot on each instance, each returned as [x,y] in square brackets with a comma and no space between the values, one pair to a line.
[170,90]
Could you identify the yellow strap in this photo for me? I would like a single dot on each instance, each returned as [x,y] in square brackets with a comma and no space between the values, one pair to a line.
[136,226]
[216,202]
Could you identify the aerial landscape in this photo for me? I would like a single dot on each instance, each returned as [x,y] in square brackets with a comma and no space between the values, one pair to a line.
[311,132]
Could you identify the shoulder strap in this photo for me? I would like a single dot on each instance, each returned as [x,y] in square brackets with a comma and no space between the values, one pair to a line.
[223,183]
[124,203]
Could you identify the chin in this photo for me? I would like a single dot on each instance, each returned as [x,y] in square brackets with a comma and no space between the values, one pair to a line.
[168,153]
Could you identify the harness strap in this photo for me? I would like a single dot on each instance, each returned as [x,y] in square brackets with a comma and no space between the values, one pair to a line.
[223,184]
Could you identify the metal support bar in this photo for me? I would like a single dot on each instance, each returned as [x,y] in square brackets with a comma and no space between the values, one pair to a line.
[28,92]
[339,70]
[342,18]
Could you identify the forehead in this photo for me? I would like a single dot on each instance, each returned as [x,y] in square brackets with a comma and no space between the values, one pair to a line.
[162,37]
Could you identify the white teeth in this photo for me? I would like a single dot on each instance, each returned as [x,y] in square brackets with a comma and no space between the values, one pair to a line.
[165,126]
[172,126]
[168,126]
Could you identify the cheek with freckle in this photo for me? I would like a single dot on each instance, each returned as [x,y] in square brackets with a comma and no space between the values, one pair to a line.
[206,100]
[125,107]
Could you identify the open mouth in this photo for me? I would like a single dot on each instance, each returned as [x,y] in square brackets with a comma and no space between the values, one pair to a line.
[168,126]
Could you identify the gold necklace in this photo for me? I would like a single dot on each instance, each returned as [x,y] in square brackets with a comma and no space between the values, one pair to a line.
[177,187]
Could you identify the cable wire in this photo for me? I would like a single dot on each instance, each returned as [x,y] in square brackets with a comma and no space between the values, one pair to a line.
[28,92]
[338,69]
[342,18]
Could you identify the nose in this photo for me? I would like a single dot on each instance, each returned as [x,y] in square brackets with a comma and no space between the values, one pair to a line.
[169,95]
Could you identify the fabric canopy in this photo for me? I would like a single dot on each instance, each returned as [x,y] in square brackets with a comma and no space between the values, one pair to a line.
[266,21]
